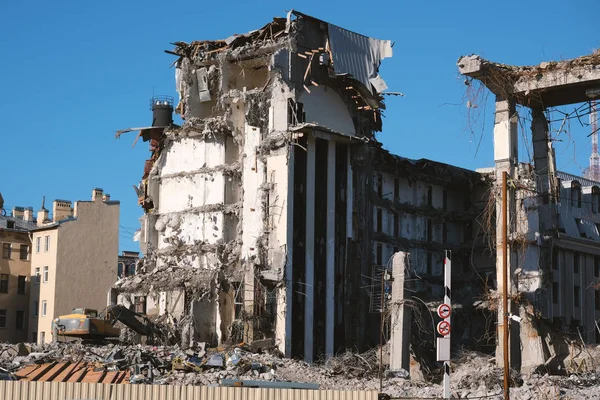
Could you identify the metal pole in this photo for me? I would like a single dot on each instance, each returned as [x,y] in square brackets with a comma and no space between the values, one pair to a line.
[505,285]
[447,300]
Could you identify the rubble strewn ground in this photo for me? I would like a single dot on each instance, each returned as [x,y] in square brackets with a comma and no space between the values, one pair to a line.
[474,375]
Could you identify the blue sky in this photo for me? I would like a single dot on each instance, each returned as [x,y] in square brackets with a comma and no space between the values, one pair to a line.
[73,72]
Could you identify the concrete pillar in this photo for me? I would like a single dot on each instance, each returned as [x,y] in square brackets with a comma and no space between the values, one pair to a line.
[506,158]
[309,303]
[289,265]
[330,274]
[400,315]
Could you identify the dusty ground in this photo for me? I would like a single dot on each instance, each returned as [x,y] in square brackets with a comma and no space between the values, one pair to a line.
[474,375]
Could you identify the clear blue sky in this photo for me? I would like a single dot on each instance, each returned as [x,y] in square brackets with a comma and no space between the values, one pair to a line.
[73,72]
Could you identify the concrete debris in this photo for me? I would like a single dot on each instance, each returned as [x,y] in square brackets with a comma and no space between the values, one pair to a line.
[474,374]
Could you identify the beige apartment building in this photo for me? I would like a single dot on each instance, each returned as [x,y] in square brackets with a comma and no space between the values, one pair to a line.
[14,273]
[73,260]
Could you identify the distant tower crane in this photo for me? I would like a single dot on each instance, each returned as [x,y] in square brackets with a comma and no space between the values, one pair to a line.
[593,172]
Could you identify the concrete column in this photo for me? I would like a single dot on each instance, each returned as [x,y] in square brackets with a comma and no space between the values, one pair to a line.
[349,197]
[309,303]
[289,265]
[506,158]
[330,274]
[401,316]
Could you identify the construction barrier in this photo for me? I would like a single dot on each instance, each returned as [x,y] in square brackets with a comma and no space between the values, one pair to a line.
[21,390]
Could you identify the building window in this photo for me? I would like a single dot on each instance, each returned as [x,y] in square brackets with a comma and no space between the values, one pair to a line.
[580,228]
[140,304]
[429,264]
[595,199]
[396,224]
[44,308]
[131,269]
[555,259]
[3,318]
[445,200]
[47,243]
[21,284]
[555,292]
[576,261]
[597,267]
[379,226]
[430,196]
[20,322]
[396,189]
[444,232]
[36,278]
[38,242]
[577,296]
[120,268]
[429,231]
[36,307]
[380,186]
[6,250]
[379,254]
[10,224]
[24,252]
[3,283]
[575,194]
[45,275]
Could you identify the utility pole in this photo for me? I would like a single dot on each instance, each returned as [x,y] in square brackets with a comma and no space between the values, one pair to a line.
[505,284]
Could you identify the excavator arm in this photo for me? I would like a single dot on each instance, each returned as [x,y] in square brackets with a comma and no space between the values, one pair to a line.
[134,321]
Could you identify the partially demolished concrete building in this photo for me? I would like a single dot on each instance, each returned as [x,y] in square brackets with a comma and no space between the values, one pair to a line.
[553,229]
[270,208]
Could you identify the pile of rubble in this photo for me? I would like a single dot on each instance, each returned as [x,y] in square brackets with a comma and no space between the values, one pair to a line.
[474,375]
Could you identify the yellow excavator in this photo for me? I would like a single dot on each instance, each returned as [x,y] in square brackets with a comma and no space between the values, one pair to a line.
[85,323]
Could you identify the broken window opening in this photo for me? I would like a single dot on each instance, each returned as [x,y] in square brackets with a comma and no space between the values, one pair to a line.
[396,189]
[429,231]
[379,223]
[444,232]
[10,224]
[396,224]
[140,304]
[555,292]
[576,261]
[429,265]
[380,186]
[379,255]
[445,200]
[430,196]
[296,114]
[576,296]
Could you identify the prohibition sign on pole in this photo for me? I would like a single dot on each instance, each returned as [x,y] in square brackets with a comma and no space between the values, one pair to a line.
[444,311]
[443,328]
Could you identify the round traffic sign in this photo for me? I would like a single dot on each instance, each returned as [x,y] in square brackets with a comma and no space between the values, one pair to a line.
[444,310]
[443,328]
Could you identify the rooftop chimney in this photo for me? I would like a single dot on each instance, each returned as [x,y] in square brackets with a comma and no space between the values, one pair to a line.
[97,194]
[61,209]
[28,214]
[17,212]
[106,197]
[42,214]
[162,111]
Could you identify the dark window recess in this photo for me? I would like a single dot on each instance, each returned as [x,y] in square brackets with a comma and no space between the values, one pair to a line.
[379,255]
[396,189]
[468,232]
[575,194]
[24,252]
[3,283]
[396,224]
[379,226]
[576,261]
[430,196]
[120,269]
[580,228]
[429,263]
[21,284]
[6,250]
[467,202]
[3,318]
[429,229]
[597,267]
[10,224]
[380,186]
[296,113]
[444,232]
[140,304]
[555,258]
[445,200]
[577,296]
[555,292]
[597,300]
[20,322]
[131,269]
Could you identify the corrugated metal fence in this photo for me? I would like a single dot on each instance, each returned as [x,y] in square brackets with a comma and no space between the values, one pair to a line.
[19,390]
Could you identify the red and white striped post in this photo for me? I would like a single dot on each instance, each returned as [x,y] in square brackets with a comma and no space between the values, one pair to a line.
[444,327]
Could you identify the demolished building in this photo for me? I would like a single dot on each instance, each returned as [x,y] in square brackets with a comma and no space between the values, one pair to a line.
[271,210]
[553,225]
